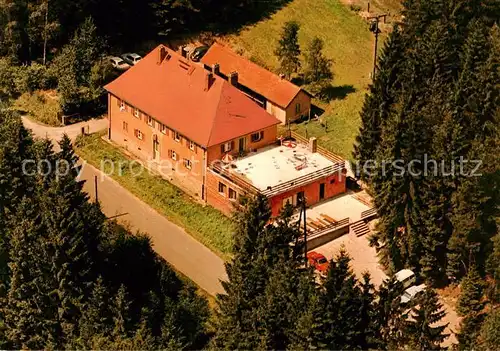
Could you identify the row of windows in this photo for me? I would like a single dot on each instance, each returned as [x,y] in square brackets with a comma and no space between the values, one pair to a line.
[186,162]
[231,194]
[254,137]
[151,122]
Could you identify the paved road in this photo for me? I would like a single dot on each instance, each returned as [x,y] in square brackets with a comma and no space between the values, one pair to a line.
[187,255]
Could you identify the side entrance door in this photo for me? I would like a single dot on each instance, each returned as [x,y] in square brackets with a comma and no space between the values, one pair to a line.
[241,145]
[156,148]
[322,191]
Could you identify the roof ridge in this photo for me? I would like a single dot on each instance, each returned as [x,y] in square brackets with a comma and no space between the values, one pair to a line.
[216,109]
[234,54]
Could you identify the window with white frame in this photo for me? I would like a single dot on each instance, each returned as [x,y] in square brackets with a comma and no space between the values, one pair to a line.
[226,147]
[191,145]
[177,136]
[150,120]
[255,137]
[232,194]
[122,105]
[163,129]
[138,134]
[222,188]
[173,154]
[188,164]
[137,113]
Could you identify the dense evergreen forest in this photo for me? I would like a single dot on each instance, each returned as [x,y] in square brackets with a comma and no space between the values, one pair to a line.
[72,279]
[436,99]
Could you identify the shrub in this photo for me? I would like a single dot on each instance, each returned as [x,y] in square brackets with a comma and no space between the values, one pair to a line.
[41,107]
[7,86]
[355,8]
[28,79]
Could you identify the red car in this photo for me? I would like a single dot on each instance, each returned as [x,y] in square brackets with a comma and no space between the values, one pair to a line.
[318,261]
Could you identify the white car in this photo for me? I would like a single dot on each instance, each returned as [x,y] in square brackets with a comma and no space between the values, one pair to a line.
[406,277]
[410,293]
[131,58]
[118,63]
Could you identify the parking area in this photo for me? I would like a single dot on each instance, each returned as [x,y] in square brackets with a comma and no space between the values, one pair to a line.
[364,257]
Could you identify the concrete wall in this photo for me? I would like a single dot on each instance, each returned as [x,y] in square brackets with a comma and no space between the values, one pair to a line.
[126,136]
[276,111]
[334,185]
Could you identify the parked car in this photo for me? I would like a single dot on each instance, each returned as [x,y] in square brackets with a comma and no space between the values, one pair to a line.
[131,58]
[198,53]
[318,261]
[412,292]
[406,277]
[118,63]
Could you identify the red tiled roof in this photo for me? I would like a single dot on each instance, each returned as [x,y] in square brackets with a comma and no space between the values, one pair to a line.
[173,93]
[272,87]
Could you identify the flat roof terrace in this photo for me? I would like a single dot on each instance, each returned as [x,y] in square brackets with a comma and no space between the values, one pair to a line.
[275,169]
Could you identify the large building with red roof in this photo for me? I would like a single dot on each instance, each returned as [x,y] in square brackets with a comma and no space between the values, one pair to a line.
[180,117]
[194,126]
[278,96]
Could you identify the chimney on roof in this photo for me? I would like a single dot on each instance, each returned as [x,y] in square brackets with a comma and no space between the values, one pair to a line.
[216,69]
[233,78]
[282,76]
[162,53]
[209,79]
[313,145]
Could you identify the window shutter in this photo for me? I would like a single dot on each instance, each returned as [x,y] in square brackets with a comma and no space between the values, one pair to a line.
[232,145]
[118,102]
[173,135]
[222,149]
[170,153]
[195,149]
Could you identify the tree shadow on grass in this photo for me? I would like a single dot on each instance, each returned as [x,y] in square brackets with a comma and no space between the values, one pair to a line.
[336,93]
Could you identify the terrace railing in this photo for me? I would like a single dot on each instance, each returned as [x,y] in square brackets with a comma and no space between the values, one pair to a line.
[303,180]
[372,212]
[321,150]
[217,168]
[328,229]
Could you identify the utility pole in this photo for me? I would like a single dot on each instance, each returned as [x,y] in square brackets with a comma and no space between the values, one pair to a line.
[375,30]
[95,185]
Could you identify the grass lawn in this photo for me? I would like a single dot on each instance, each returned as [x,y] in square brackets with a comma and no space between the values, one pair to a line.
[348,43]
[204,223]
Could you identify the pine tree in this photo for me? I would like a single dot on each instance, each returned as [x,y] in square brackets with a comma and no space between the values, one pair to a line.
[469,331]
[260,308]
[288,50]
[424,328]
[378,102]
[389,317]
[494,270]
[490,331]
[341,307]
[24,311]
[472,290]
[318,67]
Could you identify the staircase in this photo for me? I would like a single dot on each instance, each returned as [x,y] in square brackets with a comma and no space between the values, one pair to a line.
[360,228]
